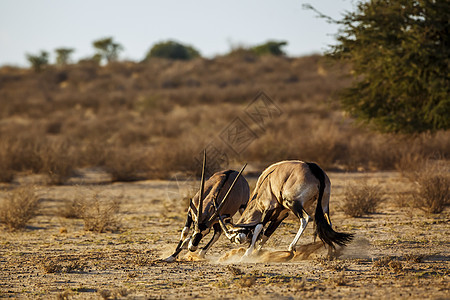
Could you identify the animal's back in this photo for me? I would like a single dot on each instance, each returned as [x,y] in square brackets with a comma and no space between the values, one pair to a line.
[216,188]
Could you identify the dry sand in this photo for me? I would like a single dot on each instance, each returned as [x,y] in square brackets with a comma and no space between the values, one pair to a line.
[397,252]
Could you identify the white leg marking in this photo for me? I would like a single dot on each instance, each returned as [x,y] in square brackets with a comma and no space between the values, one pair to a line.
[184,233]
[185,243]
[303,223]
[256,233]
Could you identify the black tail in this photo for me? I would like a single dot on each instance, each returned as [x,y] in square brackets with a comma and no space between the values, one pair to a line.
[323,229]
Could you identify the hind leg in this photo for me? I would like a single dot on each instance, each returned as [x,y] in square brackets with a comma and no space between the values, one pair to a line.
[303,224]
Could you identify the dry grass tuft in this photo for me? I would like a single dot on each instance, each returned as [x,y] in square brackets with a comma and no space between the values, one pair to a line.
[339,280]
[234,270]
[58,162]
[433,190]
[19,207]
[388,263]
[361,200]
[414,258]
[101,215]
[246,281]
[61,265]
[119,293]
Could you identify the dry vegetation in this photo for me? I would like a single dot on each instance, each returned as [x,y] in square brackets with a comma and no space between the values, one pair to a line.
[397,252]
[84,135]
[18,207]
[361,199]
[148,120]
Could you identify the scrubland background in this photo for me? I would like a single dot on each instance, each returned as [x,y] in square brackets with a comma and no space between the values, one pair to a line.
[151,119]
[70,230]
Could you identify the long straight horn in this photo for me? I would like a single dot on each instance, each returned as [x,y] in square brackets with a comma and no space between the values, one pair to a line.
[202,188]
[217,212]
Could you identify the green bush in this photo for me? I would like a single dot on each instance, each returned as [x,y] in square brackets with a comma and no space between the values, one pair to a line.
[172,50]
[400,56]
[38,62]
[269,48]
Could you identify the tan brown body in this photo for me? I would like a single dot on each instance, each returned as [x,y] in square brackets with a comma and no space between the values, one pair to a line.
[288,186]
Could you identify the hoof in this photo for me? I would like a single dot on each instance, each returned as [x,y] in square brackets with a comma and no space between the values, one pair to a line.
[170,259]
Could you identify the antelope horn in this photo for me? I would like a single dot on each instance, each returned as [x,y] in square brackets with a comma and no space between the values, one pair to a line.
[222,223]
[192,206]
[202,188]
[217,209]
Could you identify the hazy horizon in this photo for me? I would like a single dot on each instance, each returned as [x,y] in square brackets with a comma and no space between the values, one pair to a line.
[212,27]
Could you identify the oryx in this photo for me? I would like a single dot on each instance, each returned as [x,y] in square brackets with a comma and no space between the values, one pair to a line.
[224,193]
[287,186]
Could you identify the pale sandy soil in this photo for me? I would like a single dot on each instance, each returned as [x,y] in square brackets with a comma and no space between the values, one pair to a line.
[397,253]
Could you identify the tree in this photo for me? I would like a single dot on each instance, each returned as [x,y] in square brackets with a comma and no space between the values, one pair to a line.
[271,47]
[172,50]
[38,62]
[399,51]
[63,55]
[107,49]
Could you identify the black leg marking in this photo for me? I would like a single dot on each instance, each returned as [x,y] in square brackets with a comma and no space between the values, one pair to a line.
[215,237]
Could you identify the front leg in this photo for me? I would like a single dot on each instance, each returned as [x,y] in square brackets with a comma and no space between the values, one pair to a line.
[273,225]
[215,237]
[184,240]
[255,236]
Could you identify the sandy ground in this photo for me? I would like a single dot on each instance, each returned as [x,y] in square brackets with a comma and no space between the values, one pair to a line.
[397,252]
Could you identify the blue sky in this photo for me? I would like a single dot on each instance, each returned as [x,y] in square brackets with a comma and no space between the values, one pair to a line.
[213,27]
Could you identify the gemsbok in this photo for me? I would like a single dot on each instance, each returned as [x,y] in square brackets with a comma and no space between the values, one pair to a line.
[287,186]
[222,195]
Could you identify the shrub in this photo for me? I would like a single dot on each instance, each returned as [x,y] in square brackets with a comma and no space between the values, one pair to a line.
[398,88]
[38,62]
[433,190]
[271,47]
[101,215]
[172,50]
[361,200]
[107,49]
[19,207]
[58,162]
[126,164]
[6,172]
